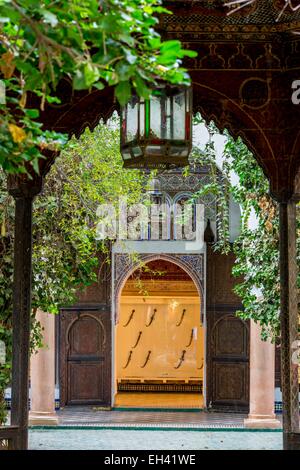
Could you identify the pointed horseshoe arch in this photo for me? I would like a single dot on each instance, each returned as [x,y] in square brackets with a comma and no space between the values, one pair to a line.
[124,266]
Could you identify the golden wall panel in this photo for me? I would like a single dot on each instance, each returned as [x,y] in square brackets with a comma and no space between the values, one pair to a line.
[159,338]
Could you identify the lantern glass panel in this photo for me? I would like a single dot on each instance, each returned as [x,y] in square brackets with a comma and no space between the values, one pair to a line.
[155,118]
[178,116]
[126,155]
[157,131]
[137,151]
[142,120]
[123,125]
[168,119]
[178,151]
[132,120]
[154,150]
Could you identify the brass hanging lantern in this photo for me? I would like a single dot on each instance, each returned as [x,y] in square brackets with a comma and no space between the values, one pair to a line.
[157,132]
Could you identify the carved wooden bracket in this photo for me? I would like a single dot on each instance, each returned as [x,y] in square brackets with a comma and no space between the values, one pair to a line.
[23,186]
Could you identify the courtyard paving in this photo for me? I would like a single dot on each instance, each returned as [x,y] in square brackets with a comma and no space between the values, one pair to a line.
[93,416]
[116,439]
[91,428]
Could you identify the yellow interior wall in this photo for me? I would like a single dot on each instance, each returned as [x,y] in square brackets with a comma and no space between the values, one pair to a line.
[165,340]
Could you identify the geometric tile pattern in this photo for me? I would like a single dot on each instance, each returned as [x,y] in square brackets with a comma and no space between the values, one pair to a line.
[89,416]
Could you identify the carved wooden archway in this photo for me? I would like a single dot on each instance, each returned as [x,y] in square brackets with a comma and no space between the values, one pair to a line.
[245,68]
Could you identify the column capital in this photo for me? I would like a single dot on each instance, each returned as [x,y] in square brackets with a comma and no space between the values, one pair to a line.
[287,194]
[24,186]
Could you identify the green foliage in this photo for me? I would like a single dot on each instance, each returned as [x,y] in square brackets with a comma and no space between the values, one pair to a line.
[256,249]
[88,172]
[91,43]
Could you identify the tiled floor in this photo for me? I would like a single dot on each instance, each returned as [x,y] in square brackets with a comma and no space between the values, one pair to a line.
[108,439]
[89,416]
[90,428]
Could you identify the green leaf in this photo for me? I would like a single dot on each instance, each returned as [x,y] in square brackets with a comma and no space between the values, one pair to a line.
[189,53]
[131,56]
[85,76]
[32,113]
[35,164]
[91,74]
[124,70]
[142,88]
[155,43]
[123,92]
[170,46]
[53,99]
[128,39]
[99,85]
[108,24]
[79,80]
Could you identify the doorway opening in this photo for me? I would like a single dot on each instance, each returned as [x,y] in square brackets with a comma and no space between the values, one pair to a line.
[159,338]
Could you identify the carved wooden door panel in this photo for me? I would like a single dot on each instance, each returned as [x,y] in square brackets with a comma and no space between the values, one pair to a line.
[227,337]
[85,358]
[228,362]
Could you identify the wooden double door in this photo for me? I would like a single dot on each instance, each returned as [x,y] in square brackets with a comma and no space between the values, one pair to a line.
[228,367]
[85,356]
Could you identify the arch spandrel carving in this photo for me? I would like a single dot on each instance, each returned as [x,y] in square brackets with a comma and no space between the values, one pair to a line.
[270,130]
[79,109]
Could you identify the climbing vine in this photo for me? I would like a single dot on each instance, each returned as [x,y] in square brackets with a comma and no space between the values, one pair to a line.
[257,247]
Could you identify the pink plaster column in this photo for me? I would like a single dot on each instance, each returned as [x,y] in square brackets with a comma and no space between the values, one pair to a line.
[262,382]
[42,375]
